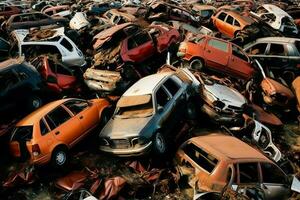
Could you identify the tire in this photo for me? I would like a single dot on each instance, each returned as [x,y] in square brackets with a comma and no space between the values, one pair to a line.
[34,102]
[159,144]
[196,64]
[59,157]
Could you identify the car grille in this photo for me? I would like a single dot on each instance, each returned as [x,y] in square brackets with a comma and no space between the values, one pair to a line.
[235,109]
[120,143]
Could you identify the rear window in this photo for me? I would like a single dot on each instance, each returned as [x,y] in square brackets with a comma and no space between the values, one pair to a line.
[202,158]
[22,133]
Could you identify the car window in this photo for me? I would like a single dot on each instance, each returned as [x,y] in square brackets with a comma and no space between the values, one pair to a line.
[272,174]
[258,49]
[43,128]
[277,49]
[229,20]
[222,16]
[162,97]
[58,116]
[202,158]
[238,53]
[172,86]
[66,44]
[8,80]
[248,172]
[223,46]
[62,70]
[138,39]
[21,133]
[236,23]
[40,16]
[76,106]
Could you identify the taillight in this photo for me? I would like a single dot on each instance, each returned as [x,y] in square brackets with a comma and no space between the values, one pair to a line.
[36,150]
[298,65]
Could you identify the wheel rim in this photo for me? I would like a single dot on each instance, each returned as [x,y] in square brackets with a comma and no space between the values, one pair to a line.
[160,143]
[196,65]
[60,158]
[36,103]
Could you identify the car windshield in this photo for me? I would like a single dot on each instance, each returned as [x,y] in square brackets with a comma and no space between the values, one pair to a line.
[22,133]
[135,107]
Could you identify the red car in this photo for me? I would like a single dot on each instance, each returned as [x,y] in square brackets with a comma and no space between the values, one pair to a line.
[58,77]
[144,44]
[216,54]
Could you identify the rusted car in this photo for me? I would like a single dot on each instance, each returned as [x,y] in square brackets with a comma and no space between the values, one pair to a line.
[28,20]
[47,134]
[8,10]
[217,160]
[100,8]
[58,77]
[205,11]
[296,88]
[230,23]
[61,11]
[143,113]
[216,54]
[146,43]
[117,17]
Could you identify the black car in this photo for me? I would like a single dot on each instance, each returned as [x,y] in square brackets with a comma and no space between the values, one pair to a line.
[21,87]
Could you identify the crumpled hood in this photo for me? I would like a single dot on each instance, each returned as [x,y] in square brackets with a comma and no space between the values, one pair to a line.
[227,94]
[122,128]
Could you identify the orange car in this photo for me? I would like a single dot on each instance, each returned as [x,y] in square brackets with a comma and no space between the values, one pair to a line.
[230,23]
[49,132]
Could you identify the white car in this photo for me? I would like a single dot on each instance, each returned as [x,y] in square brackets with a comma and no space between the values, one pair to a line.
[276,18]
[49,41]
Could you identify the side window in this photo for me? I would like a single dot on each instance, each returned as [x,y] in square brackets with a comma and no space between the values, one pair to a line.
[272,174]
[43,128]
[138,39]
[62,70]
[40,16]
[66,44]
[59,116]
[162,97]
[236,23]
[258,49]
[222,16]
[223,46]
[172,86]
[8,79]
[277,49]
[248,172]
[238,53]
[76,106]
[229,20]
[202,158]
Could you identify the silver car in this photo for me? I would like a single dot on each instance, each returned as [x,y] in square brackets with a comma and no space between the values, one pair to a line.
[145,115]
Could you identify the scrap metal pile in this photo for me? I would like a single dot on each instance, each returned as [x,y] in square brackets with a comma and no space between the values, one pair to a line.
[150,99]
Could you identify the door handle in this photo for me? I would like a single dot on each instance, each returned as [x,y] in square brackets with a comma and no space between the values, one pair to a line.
[81,117]
[57,132]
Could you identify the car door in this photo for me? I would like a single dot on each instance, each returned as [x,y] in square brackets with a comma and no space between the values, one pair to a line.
[86,112]
[220,22]
[46,139]
[64,126]
[229,28]
[274,182]
[65,78]
[216,53]
[162,38]
[139,47]
[239,63]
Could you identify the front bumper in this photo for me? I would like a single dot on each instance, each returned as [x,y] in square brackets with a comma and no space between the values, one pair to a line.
[223,119]
[129,151]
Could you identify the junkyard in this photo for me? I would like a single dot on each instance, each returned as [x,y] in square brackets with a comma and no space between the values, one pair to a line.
[150,99]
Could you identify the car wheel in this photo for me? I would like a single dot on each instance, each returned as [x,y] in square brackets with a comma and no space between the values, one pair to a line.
[196,64]
[34,102]
[160,145]
[59,157]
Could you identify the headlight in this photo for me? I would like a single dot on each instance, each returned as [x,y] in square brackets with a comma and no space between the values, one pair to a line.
[263,141]
[139,141]
[218,105]
[104,142]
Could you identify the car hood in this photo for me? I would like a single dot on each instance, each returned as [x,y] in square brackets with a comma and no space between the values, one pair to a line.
[120,127]
[227,94]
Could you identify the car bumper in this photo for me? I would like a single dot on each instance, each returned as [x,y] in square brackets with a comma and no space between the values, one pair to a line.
[129,151]
[224,119]
[41,160]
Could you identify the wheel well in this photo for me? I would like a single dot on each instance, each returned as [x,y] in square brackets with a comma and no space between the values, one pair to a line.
[236,32]
[60,146]
[196,57]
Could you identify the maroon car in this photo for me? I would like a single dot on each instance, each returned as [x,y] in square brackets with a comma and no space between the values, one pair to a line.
[146,43]
[58,77]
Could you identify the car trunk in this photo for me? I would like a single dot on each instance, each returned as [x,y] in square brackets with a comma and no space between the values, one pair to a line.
[20,140]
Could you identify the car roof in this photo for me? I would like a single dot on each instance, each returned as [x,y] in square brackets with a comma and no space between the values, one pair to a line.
[147,84]
[278,39]
[236,15]
[227,147]
[10,62]
[36,115]
[275,9]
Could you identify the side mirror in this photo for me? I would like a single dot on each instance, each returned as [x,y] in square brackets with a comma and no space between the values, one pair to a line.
[51,79]
[160,109]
